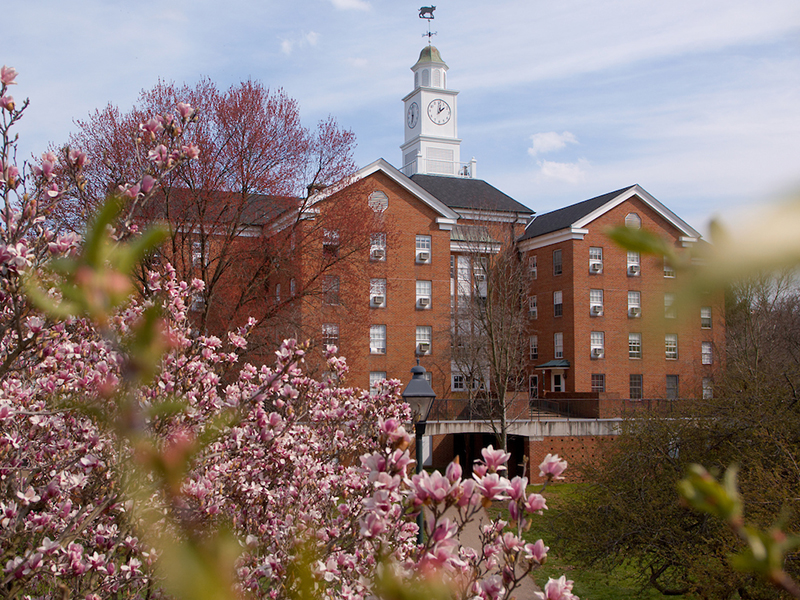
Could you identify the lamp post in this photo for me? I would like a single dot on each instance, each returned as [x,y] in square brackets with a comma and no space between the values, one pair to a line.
[420,396]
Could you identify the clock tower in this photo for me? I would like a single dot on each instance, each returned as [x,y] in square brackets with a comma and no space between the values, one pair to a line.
[431,133]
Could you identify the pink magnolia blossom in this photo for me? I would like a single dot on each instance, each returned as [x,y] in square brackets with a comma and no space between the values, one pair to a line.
[495,460]
[552,467]
[8,75]
[7,102]
[557,589]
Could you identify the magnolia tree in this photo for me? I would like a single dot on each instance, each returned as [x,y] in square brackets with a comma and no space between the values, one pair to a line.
[129,470]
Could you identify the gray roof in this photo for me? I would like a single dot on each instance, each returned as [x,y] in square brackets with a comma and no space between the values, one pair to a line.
[466,193]
[565,217]
[554,364]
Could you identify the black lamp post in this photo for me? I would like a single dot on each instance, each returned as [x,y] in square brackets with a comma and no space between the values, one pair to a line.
[420,396]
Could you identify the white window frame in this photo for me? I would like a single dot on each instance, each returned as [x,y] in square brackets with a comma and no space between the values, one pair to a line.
[596,303]
[377,246]
[671,346]
[277,293]
[705,317]
[558,262]
[708,388]
[377,339]
[669,270]
[634,342]
[533,267]
[558,345]
[601,377]
[533,307]
[633,220]
[595,260]
[533,347]
[634,304]
[377,293]
[330,242]
[634,264]
[458,382]
[424,335]
[330,335]
[597,344]
[197,253]
[424,294]
[706,353]
[423,244]
[558,304]
[375,377]
[669,306]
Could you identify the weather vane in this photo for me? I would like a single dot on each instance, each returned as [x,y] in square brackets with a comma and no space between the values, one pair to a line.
[426,12]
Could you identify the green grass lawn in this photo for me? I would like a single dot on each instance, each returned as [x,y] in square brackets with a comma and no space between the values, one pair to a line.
[591,583]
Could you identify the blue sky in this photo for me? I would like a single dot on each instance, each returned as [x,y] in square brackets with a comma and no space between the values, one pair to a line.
[698,101]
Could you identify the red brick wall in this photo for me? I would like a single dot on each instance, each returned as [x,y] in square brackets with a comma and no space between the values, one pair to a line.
[576,451]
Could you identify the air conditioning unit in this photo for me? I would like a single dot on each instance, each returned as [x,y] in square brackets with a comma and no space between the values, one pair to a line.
[423,347]
[423,256]
[596,267]
[597,353]
[634,311]
[424,301]
[597,311]
[633,270]
[378,254]
[378,300]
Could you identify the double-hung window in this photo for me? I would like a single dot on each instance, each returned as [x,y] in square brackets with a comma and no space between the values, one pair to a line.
[377,339]
[669,270]
[330,289]
[558,304]
[634,345]
[636,386]
[671,346]
[375,378]
[423,294]
[534,346]
[424,338]
[597,344]
[330,336]
[377,247]
[598,382]
[669,306]
[558,345]
[330,243]
[634,264]
[533,310]
[596,303]
[705,317]
[377,293]
[706,353]
[634,304]
[672,387]
[532,266]
[423,251]
[558,266]
[595,260]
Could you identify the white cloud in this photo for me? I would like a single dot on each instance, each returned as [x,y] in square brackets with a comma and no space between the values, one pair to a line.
[350,4]
[300,40]
[550,141]
[568,172]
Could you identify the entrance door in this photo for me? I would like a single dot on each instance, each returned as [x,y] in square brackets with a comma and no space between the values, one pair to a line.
[558,382]
[533,387]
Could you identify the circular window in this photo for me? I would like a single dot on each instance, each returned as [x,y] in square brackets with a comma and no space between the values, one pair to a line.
[378,201]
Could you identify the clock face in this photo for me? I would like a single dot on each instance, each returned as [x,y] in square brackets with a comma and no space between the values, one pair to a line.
[413,115]
[439,111]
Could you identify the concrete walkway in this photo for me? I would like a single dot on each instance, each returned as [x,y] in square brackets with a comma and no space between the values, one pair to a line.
[470,536]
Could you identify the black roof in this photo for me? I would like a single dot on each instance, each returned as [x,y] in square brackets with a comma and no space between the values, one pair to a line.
[565,217]
[463,192]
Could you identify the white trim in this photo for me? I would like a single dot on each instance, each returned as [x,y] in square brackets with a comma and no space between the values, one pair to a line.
[516,217]
[554,237]
[690,234]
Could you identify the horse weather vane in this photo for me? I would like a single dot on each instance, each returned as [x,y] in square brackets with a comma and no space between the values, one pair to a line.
[426,12]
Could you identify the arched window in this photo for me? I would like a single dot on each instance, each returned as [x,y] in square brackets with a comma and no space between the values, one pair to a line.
[437,77]
[426,78]
[633,221]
